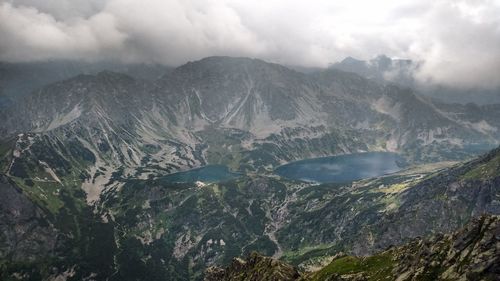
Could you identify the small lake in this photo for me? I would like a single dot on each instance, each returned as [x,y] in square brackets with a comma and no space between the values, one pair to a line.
[343,168]
[209,173]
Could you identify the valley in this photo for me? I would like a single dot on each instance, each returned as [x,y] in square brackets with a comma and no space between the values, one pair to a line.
[110,177]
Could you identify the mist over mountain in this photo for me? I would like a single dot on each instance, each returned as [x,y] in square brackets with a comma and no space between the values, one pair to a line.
[407,73]
[20,79]
[457,40]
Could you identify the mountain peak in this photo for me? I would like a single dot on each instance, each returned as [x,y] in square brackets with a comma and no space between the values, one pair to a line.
[350,60]
[232,64]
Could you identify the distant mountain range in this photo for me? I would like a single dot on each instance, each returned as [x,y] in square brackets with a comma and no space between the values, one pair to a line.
[83,161]
[20,79]
[404,73]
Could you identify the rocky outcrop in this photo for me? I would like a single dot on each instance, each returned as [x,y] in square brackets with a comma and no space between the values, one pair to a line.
[472,253]
[254,268]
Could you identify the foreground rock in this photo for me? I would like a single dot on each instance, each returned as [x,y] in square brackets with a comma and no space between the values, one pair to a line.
[256,267]
[472,253]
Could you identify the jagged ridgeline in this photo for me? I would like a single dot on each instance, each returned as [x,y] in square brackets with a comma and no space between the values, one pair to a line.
[86,189]
[473,253]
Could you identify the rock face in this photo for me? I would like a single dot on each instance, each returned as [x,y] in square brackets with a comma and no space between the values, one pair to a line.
[254,268]
[472,253]
[25,233]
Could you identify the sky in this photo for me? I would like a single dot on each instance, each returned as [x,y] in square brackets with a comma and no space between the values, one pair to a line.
[457,41]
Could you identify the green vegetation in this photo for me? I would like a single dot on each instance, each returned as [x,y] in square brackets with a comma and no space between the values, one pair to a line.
[309,253]
[486,170]
[158,229]
[224,147]
[374,268]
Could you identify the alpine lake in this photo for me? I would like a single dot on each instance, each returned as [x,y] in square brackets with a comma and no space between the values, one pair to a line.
[333,169]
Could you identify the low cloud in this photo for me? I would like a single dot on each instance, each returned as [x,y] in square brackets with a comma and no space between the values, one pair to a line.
[457,41]
[461,46]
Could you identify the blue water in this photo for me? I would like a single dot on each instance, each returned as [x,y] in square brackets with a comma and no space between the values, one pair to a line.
[210,173]
[343,168]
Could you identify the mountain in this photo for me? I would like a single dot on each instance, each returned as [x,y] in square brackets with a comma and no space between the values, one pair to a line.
[381,68]
[20,79]
[88,160]
[468,254]
[372,215]
[244,113]
[404,72]
[152,228]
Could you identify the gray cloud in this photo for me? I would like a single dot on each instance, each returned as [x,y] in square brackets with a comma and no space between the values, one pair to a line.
[458,41]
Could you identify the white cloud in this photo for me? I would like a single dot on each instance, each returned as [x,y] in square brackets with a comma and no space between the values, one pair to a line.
[28,34]
[461,44]
[458,40]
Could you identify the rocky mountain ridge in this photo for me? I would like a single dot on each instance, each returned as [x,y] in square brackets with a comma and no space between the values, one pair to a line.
[243,113]
[472,253]
[406,73]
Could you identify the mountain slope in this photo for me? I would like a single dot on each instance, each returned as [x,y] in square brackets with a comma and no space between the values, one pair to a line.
[25,233]
[154,228]
[469,254]
[374,214]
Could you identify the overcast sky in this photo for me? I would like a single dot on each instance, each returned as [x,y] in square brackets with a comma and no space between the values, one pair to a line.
[458,40]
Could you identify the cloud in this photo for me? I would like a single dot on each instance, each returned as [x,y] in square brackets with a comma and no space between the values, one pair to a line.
[457,40]
[463,46]
[28,34]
